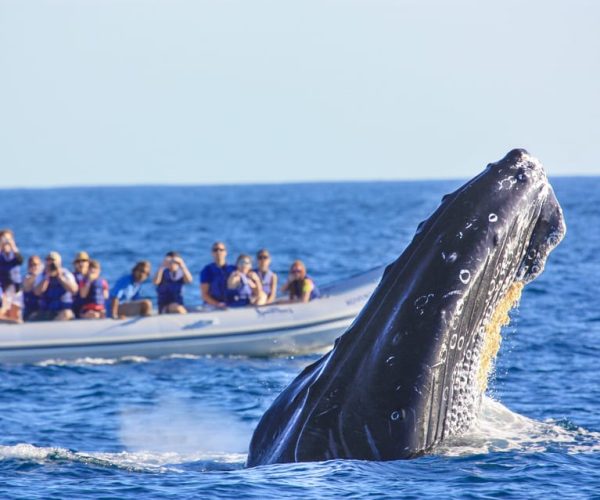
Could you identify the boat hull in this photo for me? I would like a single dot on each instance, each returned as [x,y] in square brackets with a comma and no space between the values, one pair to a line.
[253,331]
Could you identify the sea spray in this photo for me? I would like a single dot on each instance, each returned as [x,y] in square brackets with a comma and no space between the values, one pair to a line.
[178,425]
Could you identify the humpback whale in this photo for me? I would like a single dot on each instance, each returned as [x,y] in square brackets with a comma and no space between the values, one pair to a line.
[412,369]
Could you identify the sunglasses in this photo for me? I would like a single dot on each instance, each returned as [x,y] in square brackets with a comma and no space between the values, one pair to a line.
[218,249]
[296,271]
[263,257]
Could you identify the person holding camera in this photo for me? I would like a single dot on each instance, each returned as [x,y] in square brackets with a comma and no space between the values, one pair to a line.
[169,281]
[55,288]
[244,285]
[94,293]
[10,278]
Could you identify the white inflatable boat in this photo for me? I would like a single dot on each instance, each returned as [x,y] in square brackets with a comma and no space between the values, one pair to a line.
[250,331]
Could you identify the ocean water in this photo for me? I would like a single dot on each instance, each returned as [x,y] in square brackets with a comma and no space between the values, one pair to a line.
[179,427]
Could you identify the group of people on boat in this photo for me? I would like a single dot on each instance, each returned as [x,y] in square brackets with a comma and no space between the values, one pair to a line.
[50,291]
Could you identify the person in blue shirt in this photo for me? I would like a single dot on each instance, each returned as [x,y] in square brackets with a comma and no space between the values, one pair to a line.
[126,298]
[213,278]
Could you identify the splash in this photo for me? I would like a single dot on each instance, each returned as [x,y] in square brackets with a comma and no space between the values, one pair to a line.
[498,429]
[184,427]
[493,337]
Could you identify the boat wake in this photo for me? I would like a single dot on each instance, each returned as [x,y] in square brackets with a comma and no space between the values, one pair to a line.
[94,361]
[166,440]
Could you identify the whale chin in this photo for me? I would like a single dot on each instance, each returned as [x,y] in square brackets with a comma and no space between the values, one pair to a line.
[411,370]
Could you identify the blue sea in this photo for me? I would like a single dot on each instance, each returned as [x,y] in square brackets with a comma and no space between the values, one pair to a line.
[179,427]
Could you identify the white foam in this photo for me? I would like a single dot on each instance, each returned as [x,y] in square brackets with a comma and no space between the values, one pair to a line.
[137,461]
[92,361]
[499,429]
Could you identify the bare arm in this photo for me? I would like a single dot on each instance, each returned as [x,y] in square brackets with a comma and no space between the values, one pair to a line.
[29,282]
[207,297]
[42,286]
[114,308]
[273,292]
[158,276]
[187,276]
[255,282]
[67,284]
[234,280]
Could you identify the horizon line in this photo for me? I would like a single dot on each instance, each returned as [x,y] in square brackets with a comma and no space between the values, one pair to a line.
[262,183]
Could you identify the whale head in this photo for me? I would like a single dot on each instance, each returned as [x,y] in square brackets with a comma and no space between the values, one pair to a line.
[412,368]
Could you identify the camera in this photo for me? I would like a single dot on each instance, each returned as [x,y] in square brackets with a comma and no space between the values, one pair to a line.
[52,267]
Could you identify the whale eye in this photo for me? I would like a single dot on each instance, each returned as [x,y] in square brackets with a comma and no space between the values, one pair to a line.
[521,175]
[398,415]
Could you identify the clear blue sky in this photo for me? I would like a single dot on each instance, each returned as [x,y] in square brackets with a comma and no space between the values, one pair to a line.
[194,92]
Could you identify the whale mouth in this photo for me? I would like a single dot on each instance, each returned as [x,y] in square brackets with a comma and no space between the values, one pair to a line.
[537,228]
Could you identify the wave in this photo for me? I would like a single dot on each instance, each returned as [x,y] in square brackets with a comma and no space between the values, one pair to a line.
[165,441]
[142,461]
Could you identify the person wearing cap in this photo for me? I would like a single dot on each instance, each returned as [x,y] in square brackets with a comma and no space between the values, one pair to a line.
[94,292]
[213,277]
[55,288]
[81,268]
[268,278]
[126,298]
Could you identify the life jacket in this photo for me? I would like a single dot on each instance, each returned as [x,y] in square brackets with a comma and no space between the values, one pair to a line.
[266,280]
[31,303]
[296,289]
[10,270]
[169,288]
[78,300]
[55,298]
[96,293]
[242,294]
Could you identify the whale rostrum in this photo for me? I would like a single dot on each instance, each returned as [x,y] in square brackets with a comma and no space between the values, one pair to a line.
[411,370]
